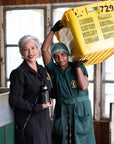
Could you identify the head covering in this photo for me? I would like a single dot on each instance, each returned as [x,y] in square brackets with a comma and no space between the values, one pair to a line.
[59,47]
[29,37]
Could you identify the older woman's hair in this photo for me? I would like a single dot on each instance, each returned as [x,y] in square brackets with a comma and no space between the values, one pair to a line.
[32,38]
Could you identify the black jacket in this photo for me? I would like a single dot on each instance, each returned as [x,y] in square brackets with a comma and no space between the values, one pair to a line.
[25,87]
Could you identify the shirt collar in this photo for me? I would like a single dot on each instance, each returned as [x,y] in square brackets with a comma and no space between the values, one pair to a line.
[27,67]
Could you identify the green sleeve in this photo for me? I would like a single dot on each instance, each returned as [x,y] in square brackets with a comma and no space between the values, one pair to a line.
[51,66]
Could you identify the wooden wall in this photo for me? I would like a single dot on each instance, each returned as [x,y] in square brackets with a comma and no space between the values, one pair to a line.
[19,2]
[101,129]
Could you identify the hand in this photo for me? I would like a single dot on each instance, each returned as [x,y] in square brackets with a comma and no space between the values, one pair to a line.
[57,27]
[78,63]
[47,105]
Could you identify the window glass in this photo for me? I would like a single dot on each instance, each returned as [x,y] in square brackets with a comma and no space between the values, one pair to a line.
[22,22]
[57,15]
[108,86]
[109,68]
[109,98]
[13,59]
[90,69]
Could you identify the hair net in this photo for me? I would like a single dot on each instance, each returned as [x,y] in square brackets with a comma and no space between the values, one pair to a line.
[59,47]
[32,38]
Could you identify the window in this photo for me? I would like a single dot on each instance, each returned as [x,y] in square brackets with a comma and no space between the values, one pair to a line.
[20,23]
[57,15]
[107,86]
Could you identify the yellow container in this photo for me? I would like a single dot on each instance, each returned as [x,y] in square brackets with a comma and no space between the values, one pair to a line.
[89,32]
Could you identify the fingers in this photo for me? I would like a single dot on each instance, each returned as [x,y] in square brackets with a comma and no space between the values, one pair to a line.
[47,105]
[79,63]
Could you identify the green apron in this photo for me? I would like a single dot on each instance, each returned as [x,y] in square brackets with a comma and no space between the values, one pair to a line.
[68,96]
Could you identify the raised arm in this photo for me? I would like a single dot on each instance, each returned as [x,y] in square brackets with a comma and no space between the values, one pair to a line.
[45,48]
[47,42]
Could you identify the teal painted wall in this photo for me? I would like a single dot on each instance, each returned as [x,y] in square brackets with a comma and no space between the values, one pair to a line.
[7,134]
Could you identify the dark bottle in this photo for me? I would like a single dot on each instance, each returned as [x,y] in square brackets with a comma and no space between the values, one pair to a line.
[45,95]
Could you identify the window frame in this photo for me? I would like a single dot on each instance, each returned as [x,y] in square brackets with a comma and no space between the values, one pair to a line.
[16,45]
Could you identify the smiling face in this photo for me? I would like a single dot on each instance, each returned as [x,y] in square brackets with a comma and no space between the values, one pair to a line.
[61,58]
[30,51]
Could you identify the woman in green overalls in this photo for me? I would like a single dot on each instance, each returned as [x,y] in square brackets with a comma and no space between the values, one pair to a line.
[72,120]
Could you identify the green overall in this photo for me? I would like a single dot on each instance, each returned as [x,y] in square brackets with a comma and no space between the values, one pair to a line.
[69,97]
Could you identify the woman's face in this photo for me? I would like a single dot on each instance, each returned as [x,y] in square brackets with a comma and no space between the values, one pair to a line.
[61,58]
[30,51]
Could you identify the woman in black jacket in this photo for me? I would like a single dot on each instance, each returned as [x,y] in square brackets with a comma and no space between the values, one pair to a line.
[25,95]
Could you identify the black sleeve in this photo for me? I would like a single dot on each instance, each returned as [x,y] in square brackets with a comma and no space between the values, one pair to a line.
[16,99]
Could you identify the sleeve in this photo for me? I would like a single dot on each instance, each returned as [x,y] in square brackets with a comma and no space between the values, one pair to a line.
[51,66]
[16,99]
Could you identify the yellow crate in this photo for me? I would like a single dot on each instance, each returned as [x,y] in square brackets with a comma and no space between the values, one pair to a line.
[89,31]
